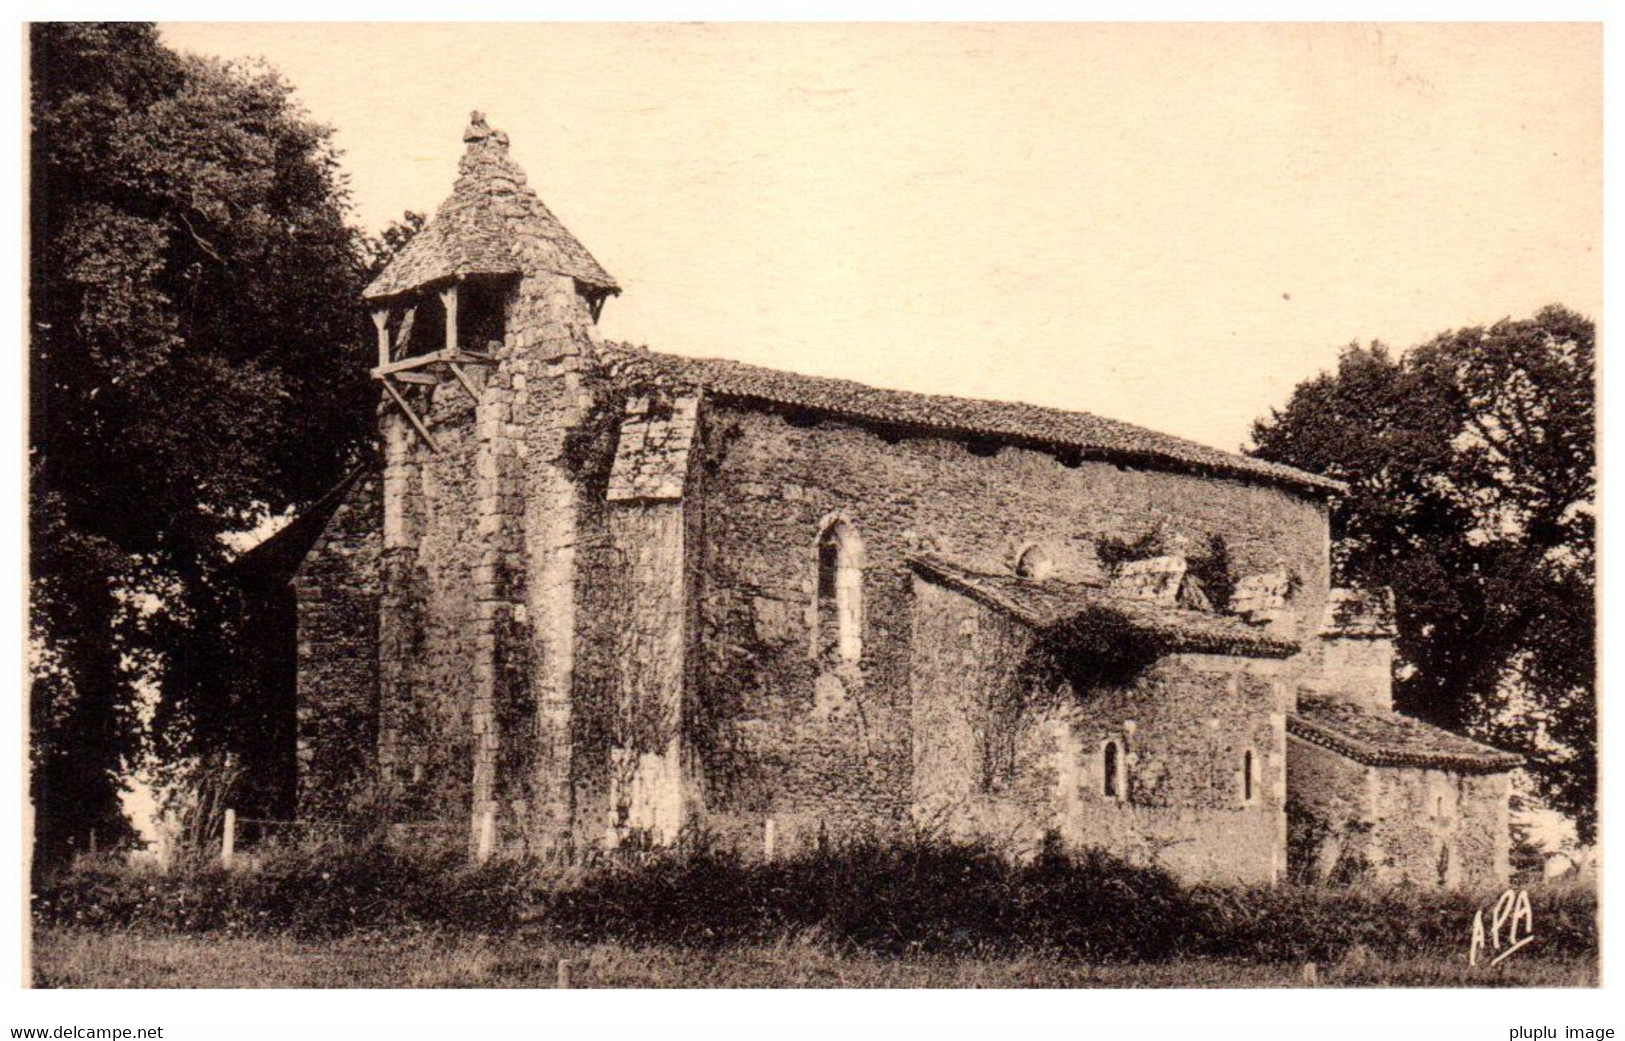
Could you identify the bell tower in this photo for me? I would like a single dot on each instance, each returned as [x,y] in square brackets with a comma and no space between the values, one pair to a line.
[483,320]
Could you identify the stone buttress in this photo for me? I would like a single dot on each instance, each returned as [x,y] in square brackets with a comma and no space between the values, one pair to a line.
[483,319]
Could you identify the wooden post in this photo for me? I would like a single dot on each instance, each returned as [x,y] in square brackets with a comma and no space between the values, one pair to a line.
[166,842]
[1311,974]
[403,334]
[564,974]
[486,835]
[92,842]
[417,424]
[448,298]
[770,838]
[228,839]
[468,384]
[380,318]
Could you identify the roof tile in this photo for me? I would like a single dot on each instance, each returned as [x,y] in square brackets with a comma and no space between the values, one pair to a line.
[1044,605]
[493,224]
[1391,739]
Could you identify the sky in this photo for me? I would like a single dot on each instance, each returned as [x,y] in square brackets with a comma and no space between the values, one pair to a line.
[1167,224]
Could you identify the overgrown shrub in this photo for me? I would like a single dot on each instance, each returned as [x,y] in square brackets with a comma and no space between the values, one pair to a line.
[304,892]
[1323,924]
[890,898]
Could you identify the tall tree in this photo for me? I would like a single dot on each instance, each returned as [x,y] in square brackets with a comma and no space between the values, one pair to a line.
[1471,461]
[197,362]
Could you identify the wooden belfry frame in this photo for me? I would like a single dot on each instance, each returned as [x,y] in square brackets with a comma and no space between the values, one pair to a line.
[395,366]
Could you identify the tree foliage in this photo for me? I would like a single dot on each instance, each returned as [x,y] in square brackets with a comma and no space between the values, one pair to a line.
[197,363]
[1471,461]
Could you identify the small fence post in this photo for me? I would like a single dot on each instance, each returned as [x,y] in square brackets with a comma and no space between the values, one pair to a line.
[486,836]
[166,843]
[770,838]
[564,974]
[228,839]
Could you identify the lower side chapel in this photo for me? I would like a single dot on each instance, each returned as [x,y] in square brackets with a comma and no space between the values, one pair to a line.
[593,596]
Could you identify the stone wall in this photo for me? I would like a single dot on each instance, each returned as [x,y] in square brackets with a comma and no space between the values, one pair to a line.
[1357,671]
[337,589]
[646,791]
[1007,756]
[548,326]
[1396,824]
[1357,648]
[430,643]
[528,628]
[478,607]
[1186,729]
[599,591]
[1331,809]
[633,706]
[969,706]
[267,656]
[1437,827]
[822,748]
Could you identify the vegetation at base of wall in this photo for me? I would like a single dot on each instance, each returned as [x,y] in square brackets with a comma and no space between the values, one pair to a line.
[920,898]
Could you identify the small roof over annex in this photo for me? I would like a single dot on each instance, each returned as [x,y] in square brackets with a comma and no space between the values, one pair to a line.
[1390,739]
[276,558]
[1050,605]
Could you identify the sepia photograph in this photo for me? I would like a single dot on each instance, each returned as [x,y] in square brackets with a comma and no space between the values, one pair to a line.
[812,505]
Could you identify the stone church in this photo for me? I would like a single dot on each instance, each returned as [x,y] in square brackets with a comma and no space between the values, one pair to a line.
[595,596]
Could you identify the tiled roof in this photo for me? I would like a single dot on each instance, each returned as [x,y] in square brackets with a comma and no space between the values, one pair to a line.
[493,224]
[1390,739]
[1044,605]
[1090,436]
[464,238]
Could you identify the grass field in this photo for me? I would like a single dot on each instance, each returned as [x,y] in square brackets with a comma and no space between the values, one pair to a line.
[76,957]
[929,913]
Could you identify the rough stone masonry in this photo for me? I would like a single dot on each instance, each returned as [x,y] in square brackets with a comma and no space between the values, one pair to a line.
[593,596]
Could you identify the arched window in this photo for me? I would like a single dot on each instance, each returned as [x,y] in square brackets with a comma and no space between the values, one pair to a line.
[838,628]
[1035,563]
[1248,776]
[1111,768]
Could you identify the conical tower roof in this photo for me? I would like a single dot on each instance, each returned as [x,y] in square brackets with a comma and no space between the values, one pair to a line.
[492,224]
